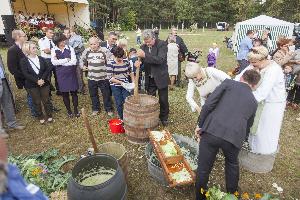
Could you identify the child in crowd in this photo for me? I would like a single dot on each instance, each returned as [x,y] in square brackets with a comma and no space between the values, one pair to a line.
[211,58]
[119,74]
[132,59]
[172,60]
[292,84]
[94,61]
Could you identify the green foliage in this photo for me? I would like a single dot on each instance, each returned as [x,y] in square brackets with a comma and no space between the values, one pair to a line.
[44,169]
[85,33]
[128,21]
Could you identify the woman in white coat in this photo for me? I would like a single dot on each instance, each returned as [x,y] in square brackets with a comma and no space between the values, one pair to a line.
[205,80]
[270,94]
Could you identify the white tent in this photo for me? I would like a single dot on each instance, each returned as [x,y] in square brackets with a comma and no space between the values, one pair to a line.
[66,12]
[277,28]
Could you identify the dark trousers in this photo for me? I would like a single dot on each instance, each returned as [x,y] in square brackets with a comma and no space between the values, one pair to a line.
[294,94]
[163,99]
[243,64]
[40,95]
[208,149]
[178,78]
[48,60]
[31,104]
[66,98]
[120,94]
[105,90]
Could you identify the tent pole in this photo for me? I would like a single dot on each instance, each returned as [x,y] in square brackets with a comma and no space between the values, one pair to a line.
[68,13]
[46,6]
[25,7]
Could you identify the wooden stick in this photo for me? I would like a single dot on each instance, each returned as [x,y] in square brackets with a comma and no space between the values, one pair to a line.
[136,83]
[89,129]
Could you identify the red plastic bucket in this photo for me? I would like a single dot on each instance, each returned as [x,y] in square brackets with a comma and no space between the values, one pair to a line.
[115,126]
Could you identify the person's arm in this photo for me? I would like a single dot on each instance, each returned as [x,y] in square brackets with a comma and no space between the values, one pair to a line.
[83,60]
[56,61]
[250,123]
[249,44]
[158,59]
[73,59]
[183,47]
[264,89]
[48,68]
[281,59]
[110,74]
[190,95]
[218,74]
[12,63]
[24,63]
[211,103]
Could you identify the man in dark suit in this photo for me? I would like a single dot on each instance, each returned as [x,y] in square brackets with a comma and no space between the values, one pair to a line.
[224,123]
[14,56]
[183,50]
[154,56]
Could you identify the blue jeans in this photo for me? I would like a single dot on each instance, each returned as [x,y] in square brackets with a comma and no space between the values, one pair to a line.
[105,90]
[120,94]
[31,106]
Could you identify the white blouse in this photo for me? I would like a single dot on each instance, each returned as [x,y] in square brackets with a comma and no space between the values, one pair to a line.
[35,64]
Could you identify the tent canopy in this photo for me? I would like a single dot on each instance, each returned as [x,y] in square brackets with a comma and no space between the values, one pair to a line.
[66,12]
[277,28]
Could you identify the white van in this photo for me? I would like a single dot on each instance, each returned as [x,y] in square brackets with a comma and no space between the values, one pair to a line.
[222,26]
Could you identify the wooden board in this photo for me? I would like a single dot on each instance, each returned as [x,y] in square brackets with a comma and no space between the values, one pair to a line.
[168,169]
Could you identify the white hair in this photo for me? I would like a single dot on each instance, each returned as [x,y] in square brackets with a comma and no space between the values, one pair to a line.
[148,33]
[192,69]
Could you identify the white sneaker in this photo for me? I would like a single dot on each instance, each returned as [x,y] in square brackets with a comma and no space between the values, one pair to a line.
[298,119]
[42,121]
[50,120]
[94,113]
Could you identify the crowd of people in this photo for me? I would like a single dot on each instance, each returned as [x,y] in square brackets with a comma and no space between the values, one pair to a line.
[256,117]
[38,20]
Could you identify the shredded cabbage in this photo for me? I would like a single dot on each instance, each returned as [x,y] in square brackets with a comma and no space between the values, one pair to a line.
[158,136]
[181,176]
[169,149]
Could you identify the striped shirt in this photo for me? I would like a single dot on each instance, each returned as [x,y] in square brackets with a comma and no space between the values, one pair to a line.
[96,63]
[120,72]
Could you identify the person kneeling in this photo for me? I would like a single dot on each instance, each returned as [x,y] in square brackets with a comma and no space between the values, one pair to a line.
[224,123]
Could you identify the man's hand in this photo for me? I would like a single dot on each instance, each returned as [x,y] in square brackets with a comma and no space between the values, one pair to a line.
[47,51]
[140,53]
[137,64]
[197,134]
[41,82]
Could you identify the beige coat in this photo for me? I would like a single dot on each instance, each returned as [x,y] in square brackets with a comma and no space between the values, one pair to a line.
[281,57]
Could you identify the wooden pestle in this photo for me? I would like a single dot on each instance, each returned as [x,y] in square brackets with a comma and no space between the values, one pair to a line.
[89,129]
[136,84]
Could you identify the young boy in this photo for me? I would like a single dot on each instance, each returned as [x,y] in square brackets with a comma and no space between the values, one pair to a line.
[132,58]
[94,61]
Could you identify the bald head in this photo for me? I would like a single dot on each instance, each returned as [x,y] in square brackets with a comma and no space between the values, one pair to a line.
[19,36]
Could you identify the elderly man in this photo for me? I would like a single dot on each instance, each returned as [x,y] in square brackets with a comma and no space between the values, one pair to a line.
[245,47]
[12,184]
[6,103]
[154,56]
[183,50]
[14,56]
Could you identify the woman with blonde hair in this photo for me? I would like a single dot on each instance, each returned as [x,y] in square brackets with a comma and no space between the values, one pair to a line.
[36,70]
[205,80]
[270,93]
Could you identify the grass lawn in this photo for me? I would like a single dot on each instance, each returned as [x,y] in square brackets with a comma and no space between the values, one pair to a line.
[70,136]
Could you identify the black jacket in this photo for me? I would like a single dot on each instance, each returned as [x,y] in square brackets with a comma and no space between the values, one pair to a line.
[156,63]
[229,112]
[31,77]
[182,47]
[14,56]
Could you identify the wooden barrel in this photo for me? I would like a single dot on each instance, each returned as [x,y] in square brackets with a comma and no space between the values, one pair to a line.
[118,151]
[138,117]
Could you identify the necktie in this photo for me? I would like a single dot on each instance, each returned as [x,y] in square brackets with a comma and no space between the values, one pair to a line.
[51,46]
[150,49]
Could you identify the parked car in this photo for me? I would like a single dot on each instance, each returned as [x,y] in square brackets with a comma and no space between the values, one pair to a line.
[222,26]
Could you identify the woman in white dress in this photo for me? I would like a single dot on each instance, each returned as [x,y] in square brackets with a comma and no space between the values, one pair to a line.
[205,80]
[270,94]
[172,60]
